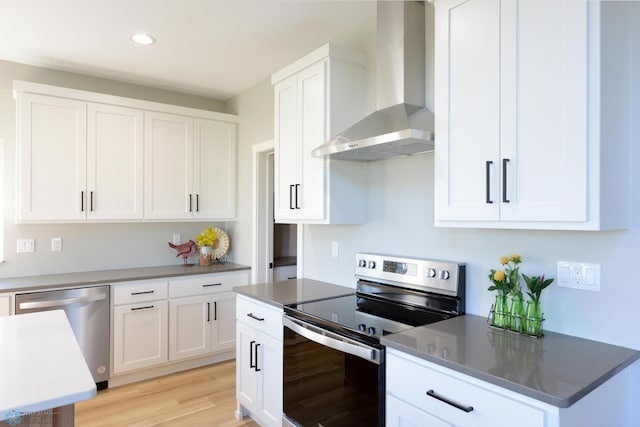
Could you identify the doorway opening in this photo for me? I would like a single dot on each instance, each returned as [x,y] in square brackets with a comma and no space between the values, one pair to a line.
[276,246]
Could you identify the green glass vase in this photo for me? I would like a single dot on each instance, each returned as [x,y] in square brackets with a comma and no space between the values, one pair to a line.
[516,314]
[533,321]
[501,311]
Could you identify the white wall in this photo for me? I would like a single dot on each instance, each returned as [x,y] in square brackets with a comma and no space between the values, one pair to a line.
[85,246]
[401,222]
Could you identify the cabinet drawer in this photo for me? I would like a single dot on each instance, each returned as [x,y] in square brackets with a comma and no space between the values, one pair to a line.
[205,284]
[260,316]
[134,292]
[410,379]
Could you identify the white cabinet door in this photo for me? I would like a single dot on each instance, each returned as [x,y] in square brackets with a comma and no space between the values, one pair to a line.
[246,374]
[223,321]
[168,166]
[287,161]
[140,335]
[312,106]
[543,103]
[214,169]
[114,163]
[189,327]
[269,364]
[467,125]
[52,135]
[512,114]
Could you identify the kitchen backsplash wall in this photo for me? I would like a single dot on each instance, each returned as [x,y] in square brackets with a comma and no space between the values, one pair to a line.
[85,246]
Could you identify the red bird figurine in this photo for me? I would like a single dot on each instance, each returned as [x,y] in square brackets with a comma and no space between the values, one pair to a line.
[185,250]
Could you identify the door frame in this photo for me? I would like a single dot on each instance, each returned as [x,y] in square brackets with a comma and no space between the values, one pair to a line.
[263,216]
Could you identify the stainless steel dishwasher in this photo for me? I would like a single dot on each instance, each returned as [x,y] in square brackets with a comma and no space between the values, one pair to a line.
[88,312]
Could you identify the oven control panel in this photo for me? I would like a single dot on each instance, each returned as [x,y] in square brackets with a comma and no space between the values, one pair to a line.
[429,275]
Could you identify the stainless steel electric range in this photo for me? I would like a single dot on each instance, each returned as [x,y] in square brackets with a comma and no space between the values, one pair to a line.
[333,362]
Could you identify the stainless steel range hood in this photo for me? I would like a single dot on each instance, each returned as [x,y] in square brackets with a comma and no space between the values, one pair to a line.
[401,126]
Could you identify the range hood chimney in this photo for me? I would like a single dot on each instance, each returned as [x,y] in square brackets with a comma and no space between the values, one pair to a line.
[401,125]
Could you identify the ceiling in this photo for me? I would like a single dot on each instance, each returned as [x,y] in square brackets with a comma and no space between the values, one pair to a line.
[214,48]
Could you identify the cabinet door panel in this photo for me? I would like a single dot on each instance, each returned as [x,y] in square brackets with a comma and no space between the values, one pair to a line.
[189,331]
[53,137]
[223,321]
[286,165]
[544,115]
[467,100]
[168,163]
[312,104]
[214,169]
[246,376]
[114,162]
[270,365]
[140,336]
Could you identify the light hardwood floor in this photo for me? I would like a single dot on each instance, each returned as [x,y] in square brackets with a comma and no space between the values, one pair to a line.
[199,397]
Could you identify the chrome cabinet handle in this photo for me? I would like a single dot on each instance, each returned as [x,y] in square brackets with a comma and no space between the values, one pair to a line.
[441,398]
[487,180]
[504,180]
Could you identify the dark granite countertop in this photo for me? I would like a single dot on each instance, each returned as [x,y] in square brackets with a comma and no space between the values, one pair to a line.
[293,291]
[65,280]
[557,369]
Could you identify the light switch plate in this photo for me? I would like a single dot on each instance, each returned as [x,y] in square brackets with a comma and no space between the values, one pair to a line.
[25,246]
[579,275]
[56,244]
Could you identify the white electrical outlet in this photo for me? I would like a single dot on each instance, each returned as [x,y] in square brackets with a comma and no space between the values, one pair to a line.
[579,275]
[56,244]
[176,239]
[25,246]
[334,249]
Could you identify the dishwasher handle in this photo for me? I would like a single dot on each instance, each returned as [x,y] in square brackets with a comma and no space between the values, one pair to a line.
[61,302]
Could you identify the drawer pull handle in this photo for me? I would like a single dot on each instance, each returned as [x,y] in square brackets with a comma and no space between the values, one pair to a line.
[141,308]
[141,293]
[253,316]
[211,284]
[435,395]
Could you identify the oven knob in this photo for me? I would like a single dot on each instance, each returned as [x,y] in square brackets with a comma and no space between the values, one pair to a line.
[362,327]
[371,330]
[371,264]
[431,272]
[444,275]
[362,263]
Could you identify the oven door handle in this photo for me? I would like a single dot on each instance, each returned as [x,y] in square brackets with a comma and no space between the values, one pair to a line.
[333,340]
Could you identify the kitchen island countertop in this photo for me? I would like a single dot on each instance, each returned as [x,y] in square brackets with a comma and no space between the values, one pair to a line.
[42,365]
[90,278]
[293,291]
[545,369]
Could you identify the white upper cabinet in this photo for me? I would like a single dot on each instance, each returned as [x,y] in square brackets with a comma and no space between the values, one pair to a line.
[78,161]
[84,156]
[190,168]
[315,98]
[520,95]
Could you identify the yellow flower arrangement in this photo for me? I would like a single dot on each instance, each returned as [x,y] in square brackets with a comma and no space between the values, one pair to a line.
[207,237]
[507,281]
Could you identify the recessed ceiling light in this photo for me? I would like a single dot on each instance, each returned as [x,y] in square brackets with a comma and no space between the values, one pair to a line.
[143,39]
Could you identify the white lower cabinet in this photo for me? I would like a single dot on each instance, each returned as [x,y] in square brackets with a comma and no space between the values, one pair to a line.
[202,314]
[259,361]
[421,393]
[156,322]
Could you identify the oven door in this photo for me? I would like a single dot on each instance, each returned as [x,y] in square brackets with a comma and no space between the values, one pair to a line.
[330,380]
